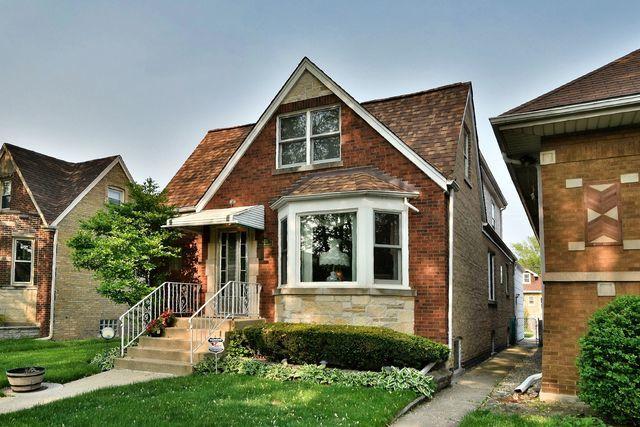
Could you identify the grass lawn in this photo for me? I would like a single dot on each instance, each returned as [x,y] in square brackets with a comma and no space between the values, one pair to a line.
[64,360]
[230,400]
[486,418]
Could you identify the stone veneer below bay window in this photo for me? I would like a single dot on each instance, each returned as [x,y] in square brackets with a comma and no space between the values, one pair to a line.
[352,241]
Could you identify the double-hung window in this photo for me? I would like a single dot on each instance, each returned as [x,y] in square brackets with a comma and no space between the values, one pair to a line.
[466,153]
[6,193]
[387,248]
[491,265]
[527,278]
[283,251]
[22,262]
[492,219]
[309,137]
[115,196]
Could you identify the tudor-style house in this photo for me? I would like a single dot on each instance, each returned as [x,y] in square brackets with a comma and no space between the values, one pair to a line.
[574,156]
[43,201]
[370,213]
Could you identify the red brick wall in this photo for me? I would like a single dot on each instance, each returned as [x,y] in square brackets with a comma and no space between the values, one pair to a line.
[593,157]
[254,181]
[22,219]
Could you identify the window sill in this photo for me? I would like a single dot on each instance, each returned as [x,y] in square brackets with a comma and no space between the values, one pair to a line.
[19,287]
[360,290]
[493,304]
[305,168]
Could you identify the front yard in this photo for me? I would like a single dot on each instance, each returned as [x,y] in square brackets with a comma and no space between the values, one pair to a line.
[65,360]
[230,400]
[486,418]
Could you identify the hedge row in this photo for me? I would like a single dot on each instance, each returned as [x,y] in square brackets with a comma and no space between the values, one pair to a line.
[348,347]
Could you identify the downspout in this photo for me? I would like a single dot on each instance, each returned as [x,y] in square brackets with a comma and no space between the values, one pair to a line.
[452,191]
[53,284]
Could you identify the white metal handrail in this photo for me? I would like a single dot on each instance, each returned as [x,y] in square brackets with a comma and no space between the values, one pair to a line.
[234,299]
[181,298]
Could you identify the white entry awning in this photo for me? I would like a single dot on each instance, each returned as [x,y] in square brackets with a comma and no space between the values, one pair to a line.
[249,216]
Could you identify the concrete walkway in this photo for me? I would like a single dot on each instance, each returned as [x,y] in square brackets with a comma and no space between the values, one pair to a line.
[467,391]
[112,378]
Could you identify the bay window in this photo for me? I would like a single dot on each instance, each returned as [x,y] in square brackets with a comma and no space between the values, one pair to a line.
[327,252]
[347,241]
[387,248]
[309,137]
[6,193]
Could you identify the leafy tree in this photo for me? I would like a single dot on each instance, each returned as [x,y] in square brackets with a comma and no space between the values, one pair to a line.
[125,245]
[528,252]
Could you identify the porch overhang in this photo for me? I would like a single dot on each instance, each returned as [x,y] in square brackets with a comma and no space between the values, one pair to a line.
[247,216]
[520,137]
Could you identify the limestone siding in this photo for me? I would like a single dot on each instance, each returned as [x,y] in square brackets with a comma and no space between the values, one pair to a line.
[78,306]
[18,304]
[395,312]
[590,157]
[474,318]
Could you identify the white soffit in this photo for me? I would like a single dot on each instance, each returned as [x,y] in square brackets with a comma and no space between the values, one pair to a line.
[307,65]
[248,216]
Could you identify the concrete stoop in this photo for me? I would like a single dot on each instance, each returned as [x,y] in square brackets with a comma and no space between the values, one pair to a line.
[171,353]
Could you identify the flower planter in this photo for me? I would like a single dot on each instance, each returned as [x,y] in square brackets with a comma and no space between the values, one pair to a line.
[25,379]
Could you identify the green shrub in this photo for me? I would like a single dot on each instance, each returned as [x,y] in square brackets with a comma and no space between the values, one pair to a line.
[351,347]
[390,379]
[3,320]
[106,360]
[609,361]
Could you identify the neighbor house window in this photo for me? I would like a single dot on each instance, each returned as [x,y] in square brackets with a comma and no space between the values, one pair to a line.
[467,162]
[327,249]
[22,266]
[531,301]
[506,279]
[491,276]
[387,248]
[283,251]
[492,218]
[6,193]
[115,196]
[527,277]
[309,137]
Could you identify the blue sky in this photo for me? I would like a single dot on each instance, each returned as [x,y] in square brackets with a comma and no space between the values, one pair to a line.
[147,79]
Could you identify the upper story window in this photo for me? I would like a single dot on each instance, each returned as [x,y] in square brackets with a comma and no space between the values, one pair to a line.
[492,214]
[115,196]
[467,151]
[527,278]
[491,270]
[309,137]
[6,193]
[22,262]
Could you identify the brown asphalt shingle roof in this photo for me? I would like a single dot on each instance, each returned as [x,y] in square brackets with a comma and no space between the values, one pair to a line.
[534,286]
[55,183]
[429,122]
[366,178]
[615,79]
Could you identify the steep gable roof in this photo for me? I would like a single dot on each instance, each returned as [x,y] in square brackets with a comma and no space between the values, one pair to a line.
[613,80]
[427,122]
[55,184]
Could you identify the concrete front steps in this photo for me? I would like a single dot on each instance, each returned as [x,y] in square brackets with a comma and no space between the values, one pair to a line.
[171,353]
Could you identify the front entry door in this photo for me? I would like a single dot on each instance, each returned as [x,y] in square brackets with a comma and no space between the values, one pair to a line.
[233,257]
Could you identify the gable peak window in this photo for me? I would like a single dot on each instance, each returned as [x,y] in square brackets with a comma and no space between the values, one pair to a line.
[309,137]
[527,278]
[115,196]
[6,193]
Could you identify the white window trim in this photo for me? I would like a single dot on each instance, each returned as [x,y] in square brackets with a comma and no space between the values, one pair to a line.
[118,189]
[466,154]
[309,160]
[13,260]
[491,280]
[493,214]
[364,238]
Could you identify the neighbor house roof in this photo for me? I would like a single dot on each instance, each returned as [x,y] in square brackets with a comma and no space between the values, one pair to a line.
[429,122]
[53,183]
[616,79]
[534,286]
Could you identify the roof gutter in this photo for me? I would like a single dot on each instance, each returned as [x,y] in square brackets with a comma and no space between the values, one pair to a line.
[453,187]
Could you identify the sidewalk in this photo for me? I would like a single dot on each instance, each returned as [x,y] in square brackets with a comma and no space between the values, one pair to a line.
[467,392]
[111,378]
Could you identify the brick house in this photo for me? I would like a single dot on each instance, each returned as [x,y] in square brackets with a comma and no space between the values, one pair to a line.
[374,213]
[532,291]
[43,201]
[574,156]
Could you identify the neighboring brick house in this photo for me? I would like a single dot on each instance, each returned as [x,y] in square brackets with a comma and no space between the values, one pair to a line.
[43,201]
[373,213]
[532,294]
[574,155]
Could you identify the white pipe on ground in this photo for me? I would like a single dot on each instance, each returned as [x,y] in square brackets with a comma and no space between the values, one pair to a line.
[527,383]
